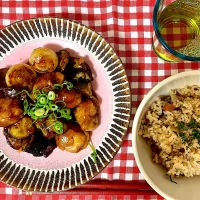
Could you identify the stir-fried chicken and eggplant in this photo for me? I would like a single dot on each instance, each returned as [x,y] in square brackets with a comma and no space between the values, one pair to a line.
[49,102]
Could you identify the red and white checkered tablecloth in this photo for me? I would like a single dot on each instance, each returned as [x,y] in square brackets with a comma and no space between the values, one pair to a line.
[127,26]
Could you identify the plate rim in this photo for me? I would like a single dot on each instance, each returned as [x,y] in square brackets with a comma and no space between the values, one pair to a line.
[127,102]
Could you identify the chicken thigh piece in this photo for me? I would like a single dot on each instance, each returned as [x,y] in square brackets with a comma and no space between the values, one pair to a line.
[73,140]
[87,115]
[10,111]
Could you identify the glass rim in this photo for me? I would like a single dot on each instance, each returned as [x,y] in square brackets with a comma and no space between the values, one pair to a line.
[161,39]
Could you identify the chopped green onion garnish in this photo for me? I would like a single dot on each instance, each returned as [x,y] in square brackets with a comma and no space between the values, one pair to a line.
[39,112]
[60,86]
[58,102]
[94,152]
[25,103]
[43,105]
[46,89]
[51,95]
[69,85]
[32,123]
[53,107]
[65,113]
[58,127]
[42,100]
[26,93]
[31,113]
[36,92]
[46,112]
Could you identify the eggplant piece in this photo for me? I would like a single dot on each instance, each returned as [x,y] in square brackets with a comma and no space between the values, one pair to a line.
[41,125]
[83,71]
[43,60]
[3,72]
[72,98]
[78,70]
[41,146]
[63,59]
[84,88]
[21,76]
[73,140]
[22,129]
[10,111]
[82,75]
[18,144]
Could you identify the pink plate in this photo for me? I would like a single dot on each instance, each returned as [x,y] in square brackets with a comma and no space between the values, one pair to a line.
[63,170]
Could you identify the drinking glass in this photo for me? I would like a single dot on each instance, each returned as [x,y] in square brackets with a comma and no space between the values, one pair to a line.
[177,30]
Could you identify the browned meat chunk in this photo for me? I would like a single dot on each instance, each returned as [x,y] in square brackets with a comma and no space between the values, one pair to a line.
[73,140]
[87,115]
[10,111]
[72,98]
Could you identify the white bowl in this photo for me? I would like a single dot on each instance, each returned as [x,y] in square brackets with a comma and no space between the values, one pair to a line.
[155,174]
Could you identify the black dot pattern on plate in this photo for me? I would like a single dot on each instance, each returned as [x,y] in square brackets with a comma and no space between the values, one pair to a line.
[72,177]
[23,179]
[116,132]
[78,34]
[26,34]
[69,30]
[116,127]
[111,142]
[28,28]
[48,188]
[54,27]
[73,34]
[92,41]
[67,180]
[56,184]
[2,167]
[108,148]
[18,177]
[41,180]
[7,38]
[83,172]
[19,32]
[59,26]
[3,46]
[122,111]
[13,36]
[93,165]
[61,180]
[119,75]
[87,168]
[34,181]
[34,29]
[121,116]
[8,167]
[39,27]
[77,173]
[105,153]
[44,27]
[27,183]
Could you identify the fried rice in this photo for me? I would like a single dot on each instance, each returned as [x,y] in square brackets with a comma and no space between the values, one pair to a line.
[171,126]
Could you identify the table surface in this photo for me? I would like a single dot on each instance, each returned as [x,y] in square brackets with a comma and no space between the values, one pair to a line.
[127,26]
